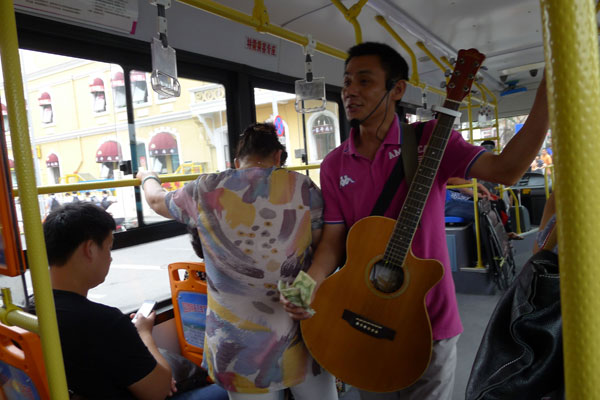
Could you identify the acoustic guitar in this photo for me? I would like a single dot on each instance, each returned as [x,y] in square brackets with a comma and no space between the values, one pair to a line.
[371,327]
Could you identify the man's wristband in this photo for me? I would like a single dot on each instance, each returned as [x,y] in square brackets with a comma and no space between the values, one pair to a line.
[150,177]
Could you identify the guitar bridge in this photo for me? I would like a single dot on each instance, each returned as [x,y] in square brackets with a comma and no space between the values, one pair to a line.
[367,326]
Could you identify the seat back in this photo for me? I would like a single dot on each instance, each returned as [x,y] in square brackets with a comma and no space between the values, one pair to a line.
[188,293]
[22,369]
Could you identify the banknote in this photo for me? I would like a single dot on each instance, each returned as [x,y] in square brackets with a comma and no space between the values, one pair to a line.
[300,291]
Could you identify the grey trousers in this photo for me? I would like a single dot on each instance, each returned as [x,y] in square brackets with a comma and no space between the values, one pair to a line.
[437,383]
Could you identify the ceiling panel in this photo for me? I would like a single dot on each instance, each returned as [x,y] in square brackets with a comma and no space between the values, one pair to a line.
[509,31]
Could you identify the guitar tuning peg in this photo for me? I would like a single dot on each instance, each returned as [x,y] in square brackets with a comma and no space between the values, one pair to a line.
[452,60]
[447,73]
[443,84]
[483,67]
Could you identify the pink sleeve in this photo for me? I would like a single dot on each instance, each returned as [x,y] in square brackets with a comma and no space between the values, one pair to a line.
[458,157]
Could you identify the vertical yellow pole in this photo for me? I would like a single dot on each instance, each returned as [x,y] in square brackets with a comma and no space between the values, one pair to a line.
[571,50]
[477,226]
[36,249]
[470,116]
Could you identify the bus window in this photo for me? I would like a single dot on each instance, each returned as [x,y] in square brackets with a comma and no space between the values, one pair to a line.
[183,135]
[309,137]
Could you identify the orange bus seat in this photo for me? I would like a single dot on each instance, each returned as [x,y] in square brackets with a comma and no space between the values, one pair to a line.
[22,370]
[188,293]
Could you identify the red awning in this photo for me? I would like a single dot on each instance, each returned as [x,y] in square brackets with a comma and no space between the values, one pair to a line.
[97,85]
[45,100]
[109,151]
[163,143]
[137,76]
[118,79]
[52,160]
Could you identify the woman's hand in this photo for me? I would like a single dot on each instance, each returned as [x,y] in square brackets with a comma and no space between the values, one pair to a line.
[295,312]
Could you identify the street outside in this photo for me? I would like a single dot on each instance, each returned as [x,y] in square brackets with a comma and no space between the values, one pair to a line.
[137,273]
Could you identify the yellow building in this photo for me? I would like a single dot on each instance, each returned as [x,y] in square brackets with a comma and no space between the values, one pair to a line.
[79,126]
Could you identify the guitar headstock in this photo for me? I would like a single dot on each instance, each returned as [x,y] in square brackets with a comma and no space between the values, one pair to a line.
[468,63]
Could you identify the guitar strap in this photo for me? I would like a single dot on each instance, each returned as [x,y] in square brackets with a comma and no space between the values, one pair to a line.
[405,166]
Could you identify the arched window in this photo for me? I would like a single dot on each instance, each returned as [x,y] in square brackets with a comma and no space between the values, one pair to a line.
[163,153]
[53,168]
[322,131]
[98,96]
[45,102]
[139,87]
[118,85]
[109,154]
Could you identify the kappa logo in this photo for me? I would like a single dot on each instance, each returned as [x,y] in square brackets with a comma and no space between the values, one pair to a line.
[394,153]
[344,180]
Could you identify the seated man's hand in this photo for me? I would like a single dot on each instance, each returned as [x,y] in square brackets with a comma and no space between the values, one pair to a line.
[144,324]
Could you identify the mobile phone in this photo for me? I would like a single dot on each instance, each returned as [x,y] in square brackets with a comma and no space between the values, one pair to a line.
[145,310]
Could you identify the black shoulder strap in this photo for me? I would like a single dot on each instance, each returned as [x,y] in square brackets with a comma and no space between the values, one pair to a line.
[411,136]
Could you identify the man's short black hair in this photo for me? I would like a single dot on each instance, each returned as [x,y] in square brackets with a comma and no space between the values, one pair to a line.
[72,224]
[394,65]
[488,143]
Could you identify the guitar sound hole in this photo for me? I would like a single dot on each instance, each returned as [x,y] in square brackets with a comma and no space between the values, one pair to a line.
[386,277]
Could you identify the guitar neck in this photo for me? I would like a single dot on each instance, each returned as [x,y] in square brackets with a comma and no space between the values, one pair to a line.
[410,215]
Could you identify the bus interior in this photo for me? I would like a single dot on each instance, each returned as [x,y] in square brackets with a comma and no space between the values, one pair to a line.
[94,104]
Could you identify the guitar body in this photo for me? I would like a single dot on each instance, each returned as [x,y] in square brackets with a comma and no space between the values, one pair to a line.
[373,340]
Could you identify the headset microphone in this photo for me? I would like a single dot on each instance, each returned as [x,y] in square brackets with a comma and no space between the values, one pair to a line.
[355,122]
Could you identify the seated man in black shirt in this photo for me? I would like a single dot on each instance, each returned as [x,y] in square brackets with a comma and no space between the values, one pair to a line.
[106,356]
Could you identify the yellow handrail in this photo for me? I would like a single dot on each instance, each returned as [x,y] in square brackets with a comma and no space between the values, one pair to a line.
[433,58]
[473,186]
[351,14]
[414,77]
[517,209]
[36,248]
[83,186]
[261,25]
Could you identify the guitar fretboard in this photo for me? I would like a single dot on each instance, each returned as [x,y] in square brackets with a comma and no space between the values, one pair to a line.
[410,215]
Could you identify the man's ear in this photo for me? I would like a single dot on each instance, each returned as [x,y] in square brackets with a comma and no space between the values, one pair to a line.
[236,162]
[398,90]
[89,249]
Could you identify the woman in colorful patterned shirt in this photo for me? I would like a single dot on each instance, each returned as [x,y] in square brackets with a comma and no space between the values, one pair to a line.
[257,225]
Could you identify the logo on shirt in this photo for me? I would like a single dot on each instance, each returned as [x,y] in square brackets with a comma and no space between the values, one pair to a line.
[394,153]
[344,180]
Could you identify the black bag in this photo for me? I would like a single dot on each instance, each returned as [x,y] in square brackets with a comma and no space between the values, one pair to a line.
[520,356]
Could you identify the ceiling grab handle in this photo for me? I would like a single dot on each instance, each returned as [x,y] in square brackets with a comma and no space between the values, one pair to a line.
[310,92]
[164,63]
[351,14]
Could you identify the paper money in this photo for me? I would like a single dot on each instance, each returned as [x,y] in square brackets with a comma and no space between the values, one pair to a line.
[300,291]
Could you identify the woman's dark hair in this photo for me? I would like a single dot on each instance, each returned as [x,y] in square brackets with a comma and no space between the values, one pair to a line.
[260,140]
[394,65]
[72,224]
[195,240]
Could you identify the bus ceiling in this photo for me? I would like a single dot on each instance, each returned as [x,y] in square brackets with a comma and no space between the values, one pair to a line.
[508,33]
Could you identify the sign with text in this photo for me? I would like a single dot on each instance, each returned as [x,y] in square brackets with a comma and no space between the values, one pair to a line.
[119,15]
[261,46]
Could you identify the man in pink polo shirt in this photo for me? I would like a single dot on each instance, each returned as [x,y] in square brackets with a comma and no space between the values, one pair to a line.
[354,174]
